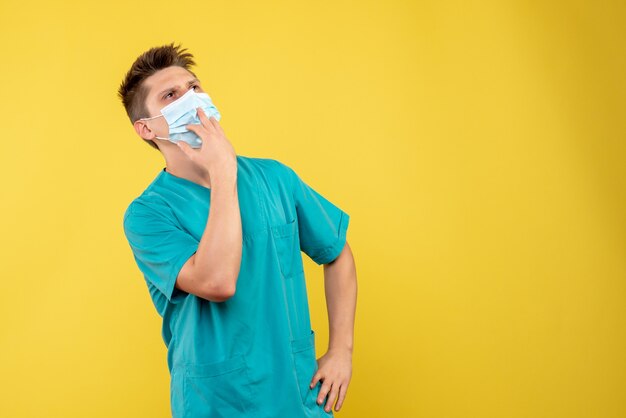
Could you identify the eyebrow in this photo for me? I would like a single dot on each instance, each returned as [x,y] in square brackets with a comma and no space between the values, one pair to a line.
[189,83]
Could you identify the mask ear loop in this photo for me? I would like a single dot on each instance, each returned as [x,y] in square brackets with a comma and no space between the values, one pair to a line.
[158,137]
[153,117]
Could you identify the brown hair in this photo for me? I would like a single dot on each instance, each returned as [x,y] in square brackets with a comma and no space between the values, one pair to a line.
[132,91]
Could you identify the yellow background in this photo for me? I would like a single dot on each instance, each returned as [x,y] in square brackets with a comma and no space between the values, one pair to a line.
[479,148]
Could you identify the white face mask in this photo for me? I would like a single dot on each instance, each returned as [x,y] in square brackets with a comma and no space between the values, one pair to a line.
[181,112]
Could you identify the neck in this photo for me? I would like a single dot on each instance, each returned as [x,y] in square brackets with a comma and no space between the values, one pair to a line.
[178,164]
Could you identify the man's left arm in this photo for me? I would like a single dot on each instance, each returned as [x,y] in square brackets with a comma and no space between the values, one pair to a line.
[335,367]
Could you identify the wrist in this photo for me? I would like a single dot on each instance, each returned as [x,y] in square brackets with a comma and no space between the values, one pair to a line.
[340,348]
[224,181]
[223,171]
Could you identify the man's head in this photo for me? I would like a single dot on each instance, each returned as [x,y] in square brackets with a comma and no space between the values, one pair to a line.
[157,77]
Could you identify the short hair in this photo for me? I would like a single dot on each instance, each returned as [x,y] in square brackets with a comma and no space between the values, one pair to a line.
[132,91]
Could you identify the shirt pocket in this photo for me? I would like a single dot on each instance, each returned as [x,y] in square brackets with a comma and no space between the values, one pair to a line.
[218,390]
[305,363]
[287,242]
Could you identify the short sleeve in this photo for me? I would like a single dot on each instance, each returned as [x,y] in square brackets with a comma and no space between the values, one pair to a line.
[159,246]
[322,225]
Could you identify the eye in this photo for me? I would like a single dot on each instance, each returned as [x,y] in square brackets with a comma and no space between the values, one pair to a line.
[167,95]
[195,85]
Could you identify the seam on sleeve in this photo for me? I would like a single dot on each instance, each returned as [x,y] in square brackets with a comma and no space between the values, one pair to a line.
[171,283]
[332,251]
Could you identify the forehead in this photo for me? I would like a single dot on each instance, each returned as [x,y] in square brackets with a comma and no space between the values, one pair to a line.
[166,78]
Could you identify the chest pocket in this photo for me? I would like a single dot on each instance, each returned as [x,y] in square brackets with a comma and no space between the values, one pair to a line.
[288,248]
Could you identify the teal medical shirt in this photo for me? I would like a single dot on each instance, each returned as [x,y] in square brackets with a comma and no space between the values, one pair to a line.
[252,355]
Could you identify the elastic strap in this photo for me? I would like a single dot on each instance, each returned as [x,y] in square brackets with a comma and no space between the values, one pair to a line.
[158,116]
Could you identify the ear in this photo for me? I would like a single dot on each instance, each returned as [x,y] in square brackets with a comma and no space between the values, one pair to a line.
[143,130]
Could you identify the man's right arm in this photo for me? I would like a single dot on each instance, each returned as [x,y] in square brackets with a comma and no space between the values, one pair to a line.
[211,272]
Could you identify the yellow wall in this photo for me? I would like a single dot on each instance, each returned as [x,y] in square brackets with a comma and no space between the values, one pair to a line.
[479,148]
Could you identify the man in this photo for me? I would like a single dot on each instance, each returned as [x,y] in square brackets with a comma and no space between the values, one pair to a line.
[218,237]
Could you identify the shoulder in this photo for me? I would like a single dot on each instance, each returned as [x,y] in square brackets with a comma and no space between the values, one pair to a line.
[266,166]
[260,162]
[135,208]
[147,207]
